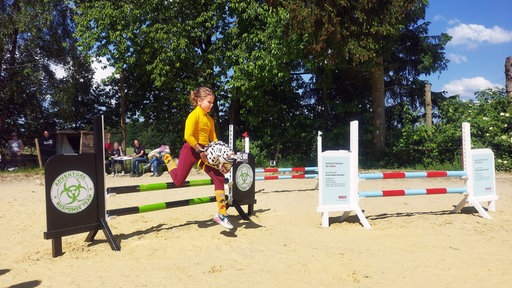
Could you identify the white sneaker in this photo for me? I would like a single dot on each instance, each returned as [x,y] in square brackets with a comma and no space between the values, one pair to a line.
[222,220]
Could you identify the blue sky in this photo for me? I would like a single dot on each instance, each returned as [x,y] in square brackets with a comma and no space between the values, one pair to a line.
[482,39]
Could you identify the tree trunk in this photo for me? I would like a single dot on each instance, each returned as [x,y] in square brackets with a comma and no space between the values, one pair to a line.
[508,76]
[378,107]
[325,101]
[122,104]
[428,105]
[2,55]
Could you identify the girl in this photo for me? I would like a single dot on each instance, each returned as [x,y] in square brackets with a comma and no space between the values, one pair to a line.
[199,132]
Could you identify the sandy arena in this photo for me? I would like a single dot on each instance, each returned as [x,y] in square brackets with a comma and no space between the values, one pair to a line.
[415,241]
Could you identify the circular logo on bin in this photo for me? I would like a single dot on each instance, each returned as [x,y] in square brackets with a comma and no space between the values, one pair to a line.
[72,191]
[244,177]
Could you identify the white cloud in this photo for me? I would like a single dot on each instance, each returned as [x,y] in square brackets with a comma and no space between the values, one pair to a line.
[102,69]
[473,34]
[438,18]
[466,87]
[457,58]
[453,21]
[59,70]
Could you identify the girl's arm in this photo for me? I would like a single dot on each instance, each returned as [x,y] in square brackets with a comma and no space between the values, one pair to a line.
[190,126]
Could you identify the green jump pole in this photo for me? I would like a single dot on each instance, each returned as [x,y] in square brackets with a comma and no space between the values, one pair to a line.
[156,186]
[159,206]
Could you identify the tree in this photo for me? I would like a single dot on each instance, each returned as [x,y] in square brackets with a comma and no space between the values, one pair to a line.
[263,55]
[110,29]
[364,34]
[20,90]
[35,37]
[167,48]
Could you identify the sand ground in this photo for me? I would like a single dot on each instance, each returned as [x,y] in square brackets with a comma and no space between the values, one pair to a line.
[415,241]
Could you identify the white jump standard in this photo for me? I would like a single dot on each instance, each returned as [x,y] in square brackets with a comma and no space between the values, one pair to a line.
[339,179]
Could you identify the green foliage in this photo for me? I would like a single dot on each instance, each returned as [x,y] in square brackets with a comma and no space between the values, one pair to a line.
[260,158]
[239,48]
[282,70]
[346,40]
[35,36]
[491,124]
[440,146]
[430,148]
[150,137]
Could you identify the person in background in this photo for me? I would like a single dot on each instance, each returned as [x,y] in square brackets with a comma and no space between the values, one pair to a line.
[108,147]
[46,146]
[155,159]
[15,148]
[115,152]
[139,156]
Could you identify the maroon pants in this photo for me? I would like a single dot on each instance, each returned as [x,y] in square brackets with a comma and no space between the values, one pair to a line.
[189,157]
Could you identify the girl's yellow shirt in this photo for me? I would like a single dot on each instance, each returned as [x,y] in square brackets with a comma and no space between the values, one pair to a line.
[199,128]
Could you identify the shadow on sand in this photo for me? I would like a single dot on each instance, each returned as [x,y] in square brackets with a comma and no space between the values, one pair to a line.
[354,219]
[237,222]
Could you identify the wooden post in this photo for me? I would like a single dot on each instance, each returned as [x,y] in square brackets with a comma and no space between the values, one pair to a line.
[39,158]
[508,76]
[122,103]
[428,105]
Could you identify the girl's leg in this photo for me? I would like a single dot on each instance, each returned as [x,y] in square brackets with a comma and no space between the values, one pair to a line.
[216,176]
[220,196]
[188,157]
[218,183]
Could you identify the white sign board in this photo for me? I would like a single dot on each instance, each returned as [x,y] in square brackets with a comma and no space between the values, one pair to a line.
[484,185]
[335,181]
[337,175]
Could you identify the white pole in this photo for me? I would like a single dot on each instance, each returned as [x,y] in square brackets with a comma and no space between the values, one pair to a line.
[354,140]
[325,215]
[246,145]
[319,146]
[467,162]
[231,136]
[354,159]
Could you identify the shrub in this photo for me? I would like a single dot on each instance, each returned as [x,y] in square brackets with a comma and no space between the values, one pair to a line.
[440,145]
